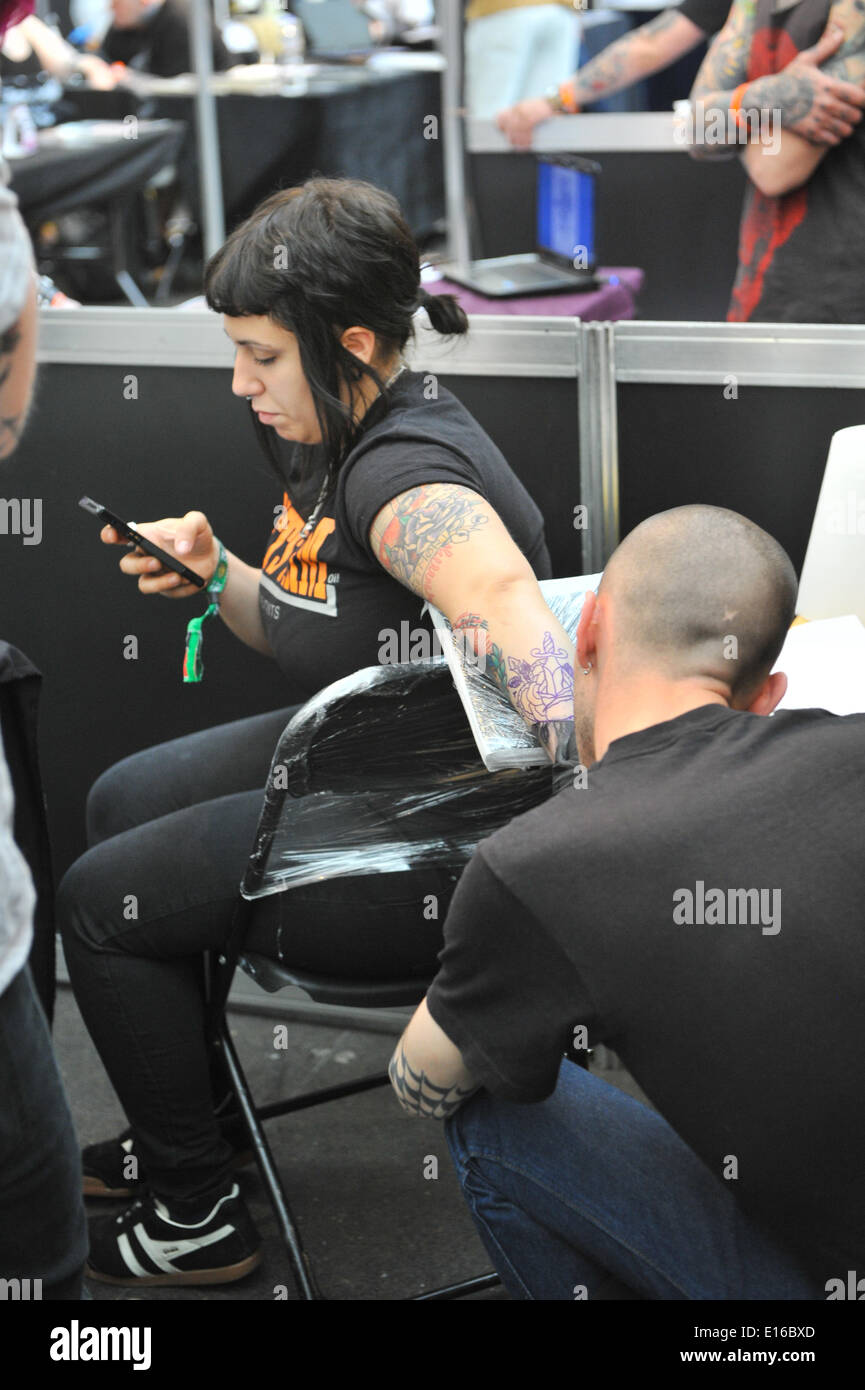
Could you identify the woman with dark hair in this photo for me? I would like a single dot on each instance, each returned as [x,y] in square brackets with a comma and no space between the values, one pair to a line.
[391,494]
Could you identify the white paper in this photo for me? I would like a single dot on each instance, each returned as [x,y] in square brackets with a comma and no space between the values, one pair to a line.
[824,662]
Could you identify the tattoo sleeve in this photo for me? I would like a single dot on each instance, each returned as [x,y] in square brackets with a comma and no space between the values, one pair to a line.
[624,62]
[420,1096]
[508,634]
[425,523]
[724,68]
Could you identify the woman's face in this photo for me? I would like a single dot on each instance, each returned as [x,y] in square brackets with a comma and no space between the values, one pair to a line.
[267,368]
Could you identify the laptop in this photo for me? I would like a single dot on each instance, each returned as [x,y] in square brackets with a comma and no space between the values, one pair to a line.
[564,261]
[336,31]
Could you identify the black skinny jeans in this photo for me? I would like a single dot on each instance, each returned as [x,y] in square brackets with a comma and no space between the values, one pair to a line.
[169,831]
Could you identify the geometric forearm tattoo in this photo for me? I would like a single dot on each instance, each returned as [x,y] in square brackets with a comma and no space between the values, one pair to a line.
[418,1095]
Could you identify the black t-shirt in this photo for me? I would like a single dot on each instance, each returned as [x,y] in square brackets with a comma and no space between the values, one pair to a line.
[799,254]
[708,15]
[748,1037]
[161,45]
[325,600]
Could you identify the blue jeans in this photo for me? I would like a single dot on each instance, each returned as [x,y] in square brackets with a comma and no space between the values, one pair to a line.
[43,1234]
[592,1194]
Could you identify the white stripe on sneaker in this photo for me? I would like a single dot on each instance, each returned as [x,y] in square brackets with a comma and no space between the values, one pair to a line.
[131,1263]
[159,1250]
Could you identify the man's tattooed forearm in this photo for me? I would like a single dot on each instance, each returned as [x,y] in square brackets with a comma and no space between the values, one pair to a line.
[420,1096]
[424,524]
[610,71]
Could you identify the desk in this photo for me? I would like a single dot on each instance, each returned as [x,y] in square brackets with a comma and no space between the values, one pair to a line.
[359,123]
[611,301]
[58,177]
[105,168]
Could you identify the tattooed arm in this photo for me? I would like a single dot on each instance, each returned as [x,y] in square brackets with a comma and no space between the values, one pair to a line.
[17,372]
[632,57]
[814,98]
[427,1071]
[448,545]
[793,159]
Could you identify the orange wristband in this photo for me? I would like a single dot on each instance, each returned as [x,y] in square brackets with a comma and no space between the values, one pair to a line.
[736,103]
[568,98]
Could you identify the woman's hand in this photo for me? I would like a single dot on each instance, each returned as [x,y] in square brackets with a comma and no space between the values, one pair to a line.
[189,538]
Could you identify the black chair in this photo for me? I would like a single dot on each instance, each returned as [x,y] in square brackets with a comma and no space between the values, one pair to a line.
[395,742]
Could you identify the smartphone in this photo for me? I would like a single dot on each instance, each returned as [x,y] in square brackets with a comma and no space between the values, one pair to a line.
[168,561]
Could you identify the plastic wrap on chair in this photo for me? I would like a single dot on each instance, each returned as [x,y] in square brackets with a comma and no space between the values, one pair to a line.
[380,773]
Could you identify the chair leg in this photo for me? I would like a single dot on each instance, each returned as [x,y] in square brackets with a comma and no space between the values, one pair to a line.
[462,1290]
[298,1258]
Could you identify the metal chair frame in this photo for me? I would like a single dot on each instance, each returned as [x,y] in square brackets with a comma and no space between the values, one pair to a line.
[293,752]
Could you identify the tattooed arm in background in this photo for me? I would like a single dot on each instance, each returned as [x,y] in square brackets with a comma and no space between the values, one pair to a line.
[631,58]
[427,1071]
[818,97]
[448,545]
[841,51]
[17,372]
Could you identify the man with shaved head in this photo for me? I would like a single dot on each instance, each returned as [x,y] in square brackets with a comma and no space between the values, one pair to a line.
[694,901]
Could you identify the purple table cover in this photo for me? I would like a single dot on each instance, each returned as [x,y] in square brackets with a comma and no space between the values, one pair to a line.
[615,300]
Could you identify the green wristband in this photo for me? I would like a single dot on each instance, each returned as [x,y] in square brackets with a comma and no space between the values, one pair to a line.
[193,662]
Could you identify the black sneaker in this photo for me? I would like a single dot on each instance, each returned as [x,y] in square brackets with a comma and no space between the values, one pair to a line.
[114,1168]
[146,1245]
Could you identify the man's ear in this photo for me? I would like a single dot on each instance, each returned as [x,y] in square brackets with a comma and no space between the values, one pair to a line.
[586,651]
[360,342]
[771,692]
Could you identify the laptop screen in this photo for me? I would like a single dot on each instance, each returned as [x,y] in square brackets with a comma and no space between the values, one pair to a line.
[566,214]
[333,26]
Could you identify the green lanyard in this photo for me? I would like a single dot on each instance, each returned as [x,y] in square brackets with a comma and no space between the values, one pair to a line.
[193,664]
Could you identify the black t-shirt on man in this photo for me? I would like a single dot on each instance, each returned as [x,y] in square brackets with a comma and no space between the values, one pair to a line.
[161,45]
[325,600]
[708,15]
[746,1028]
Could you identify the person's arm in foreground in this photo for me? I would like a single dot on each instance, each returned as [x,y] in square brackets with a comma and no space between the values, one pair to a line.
[636,55]
[816,97]
[17,373]
[190,538]
[447,544]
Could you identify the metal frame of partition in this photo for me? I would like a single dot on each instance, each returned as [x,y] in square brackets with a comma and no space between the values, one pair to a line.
[596,356]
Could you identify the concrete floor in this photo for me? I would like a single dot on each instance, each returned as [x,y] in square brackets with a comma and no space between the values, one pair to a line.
[375,1227]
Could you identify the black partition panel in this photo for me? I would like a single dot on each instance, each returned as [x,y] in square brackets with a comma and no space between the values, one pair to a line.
[762,454]
[182,444]
[534,422]
[150,442]
[675,217]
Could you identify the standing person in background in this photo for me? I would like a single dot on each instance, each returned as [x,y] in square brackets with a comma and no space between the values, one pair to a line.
[641,53]
[153,36]
[42,1230]
[515,47]
[801,227]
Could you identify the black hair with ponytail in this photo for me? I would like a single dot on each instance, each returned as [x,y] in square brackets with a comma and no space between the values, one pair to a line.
[329,255]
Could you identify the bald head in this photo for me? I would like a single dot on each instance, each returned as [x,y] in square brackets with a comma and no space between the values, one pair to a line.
[700,592]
